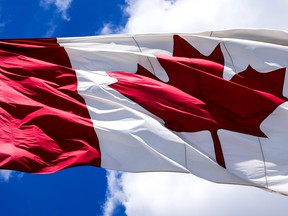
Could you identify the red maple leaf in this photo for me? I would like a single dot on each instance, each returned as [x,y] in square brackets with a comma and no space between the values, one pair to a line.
[197,98]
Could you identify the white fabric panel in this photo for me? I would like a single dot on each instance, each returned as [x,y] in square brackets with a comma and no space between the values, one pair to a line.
[275,147]
[202,166]
[156,44]
[111,57]
[263,57]
[132,139]
[202,141]
[243,156]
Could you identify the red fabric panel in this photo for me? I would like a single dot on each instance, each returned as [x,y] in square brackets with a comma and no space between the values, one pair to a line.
[46,49]
[45,124]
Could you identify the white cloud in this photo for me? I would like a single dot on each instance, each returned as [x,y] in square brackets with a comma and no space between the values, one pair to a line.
[107,29]
[61,5]
[202,15]
[183,194]
[51,29]
[2,23]
[115,195]
[5,175]
[163,194]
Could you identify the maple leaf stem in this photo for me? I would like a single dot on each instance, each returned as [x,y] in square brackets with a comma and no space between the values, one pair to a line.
[218,149]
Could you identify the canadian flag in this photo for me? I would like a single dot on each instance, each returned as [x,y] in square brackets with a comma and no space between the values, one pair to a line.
[212,104]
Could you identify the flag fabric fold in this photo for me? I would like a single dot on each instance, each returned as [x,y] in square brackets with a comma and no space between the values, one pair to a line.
[213,104]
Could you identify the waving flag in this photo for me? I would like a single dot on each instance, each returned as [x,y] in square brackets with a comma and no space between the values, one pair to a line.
[212,104]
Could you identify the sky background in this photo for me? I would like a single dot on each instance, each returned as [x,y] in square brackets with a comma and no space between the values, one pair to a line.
[93,191]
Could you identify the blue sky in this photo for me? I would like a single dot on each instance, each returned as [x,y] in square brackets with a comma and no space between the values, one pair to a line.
[77,191]
[36,18]
[87,190]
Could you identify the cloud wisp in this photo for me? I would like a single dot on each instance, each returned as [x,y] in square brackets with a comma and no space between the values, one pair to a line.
[61,5]
[5,175]
[203,15]
[114,194]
